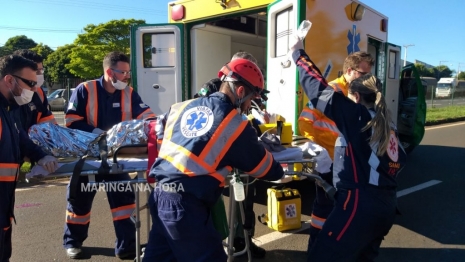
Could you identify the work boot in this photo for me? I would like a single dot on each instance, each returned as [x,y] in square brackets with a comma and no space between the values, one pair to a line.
[256,251]
[74,252]
[130,255]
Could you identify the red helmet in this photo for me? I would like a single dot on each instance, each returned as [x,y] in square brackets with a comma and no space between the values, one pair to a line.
[244,71]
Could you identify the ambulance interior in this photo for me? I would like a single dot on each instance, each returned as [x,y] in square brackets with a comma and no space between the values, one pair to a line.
[214,43]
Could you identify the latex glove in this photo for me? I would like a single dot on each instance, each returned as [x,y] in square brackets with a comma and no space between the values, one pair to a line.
[266,116]
[323,162]
[97,131]
[295,44]
[49,163]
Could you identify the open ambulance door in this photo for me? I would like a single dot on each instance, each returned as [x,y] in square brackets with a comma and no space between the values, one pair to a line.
[412,108]
[282,78]
[157,53]
[405,98]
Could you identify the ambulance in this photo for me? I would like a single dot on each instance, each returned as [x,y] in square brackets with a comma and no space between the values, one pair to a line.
[171,61]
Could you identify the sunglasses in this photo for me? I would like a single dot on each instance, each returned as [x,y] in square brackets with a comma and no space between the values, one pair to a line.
[29,83]
[361,73]
[124,73]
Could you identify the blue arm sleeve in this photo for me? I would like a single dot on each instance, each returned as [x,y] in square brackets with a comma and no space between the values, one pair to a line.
[76,117]
[334,105]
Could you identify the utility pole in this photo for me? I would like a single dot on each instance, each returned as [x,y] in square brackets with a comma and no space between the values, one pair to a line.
[405,54]
[458,70]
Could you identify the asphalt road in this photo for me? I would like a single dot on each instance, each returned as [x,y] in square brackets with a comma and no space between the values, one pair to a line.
[431,227]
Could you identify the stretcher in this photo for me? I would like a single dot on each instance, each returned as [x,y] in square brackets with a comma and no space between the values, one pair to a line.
[91,167]
[306,171]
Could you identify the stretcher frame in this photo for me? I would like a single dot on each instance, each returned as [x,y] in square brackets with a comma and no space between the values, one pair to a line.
[117,168]
[307,164]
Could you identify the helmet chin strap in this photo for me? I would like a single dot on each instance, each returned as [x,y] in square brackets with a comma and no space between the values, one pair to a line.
[239,101]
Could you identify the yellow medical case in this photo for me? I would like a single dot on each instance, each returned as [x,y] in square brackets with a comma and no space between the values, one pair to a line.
[284,209]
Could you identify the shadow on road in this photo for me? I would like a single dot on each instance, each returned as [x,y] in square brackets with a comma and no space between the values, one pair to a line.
[97,251]
[419,254]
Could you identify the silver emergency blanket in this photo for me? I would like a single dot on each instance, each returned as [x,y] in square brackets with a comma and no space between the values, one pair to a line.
[65,142]
[61,141]
[126,133]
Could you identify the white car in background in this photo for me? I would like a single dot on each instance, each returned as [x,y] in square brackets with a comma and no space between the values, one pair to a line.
[58,99]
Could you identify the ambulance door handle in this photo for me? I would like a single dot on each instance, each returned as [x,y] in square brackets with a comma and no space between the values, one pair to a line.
[156,86]
[286,64]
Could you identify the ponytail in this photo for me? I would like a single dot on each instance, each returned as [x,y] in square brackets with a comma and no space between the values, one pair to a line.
[369,87]
[380,125]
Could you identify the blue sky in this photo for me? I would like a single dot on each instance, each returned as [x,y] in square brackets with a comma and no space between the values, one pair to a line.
[434,27]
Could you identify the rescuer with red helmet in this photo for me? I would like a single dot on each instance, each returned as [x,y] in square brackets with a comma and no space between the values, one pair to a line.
[203,140]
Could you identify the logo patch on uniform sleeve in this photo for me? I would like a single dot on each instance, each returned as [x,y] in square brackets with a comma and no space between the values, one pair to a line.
[32,107]
[72,105]
[196,121]
[393,147]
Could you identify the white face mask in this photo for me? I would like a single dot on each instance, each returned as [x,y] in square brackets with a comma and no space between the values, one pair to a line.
[119,85]
[24,98]
[40,80]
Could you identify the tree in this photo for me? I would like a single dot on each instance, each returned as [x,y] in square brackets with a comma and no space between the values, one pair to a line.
[423,71]
[461,75]
[43,50]
[442,71]
[98,40]
[56,62]
[15,43]
[20,42]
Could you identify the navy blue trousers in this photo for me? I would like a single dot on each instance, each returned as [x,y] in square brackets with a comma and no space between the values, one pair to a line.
[5,244]
[122,204]
[182,230]
[322,207]
[356,226]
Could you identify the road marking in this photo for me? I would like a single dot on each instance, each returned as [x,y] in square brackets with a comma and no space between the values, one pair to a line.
[444,126]
[417,188]
[265,239]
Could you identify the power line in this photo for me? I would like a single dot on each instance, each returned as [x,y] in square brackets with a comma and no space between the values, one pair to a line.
[52,30]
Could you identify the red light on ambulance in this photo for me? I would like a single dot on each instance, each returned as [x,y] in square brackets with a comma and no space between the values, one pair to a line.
[384,25]
[178,12]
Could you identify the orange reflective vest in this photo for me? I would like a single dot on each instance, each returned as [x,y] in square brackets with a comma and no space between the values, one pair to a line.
[176,148]
[314,125]
[92,103]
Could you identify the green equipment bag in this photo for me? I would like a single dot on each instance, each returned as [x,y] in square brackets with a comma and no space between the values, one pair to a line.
[219,218]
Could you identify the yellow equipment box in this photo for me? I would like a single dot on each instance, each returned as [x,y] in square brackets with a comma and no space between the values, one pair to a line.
[286,136]
[284,207]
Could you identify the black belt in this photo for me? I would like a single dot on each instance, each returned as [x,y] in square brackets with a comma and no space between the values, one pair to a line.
[104,168]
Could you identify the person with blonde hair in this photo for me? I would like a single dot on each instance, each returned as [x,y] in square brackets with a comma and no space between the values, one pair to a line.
[367,159]
[314,125]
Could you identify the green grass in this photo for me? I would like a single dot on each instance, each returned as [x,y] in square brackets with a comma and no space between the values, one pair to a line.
[444,113]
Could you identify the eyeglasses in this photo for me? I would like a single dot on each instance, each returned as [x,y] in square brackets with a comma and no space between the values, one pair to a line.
[361,73]
[29,83]
[124,73]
